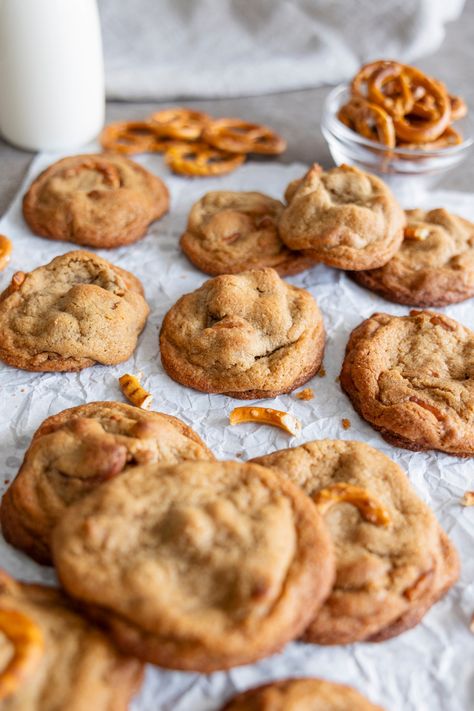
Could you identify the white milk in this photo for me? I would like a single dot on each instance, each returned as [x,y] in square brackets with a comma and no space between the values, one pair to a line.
[51,73]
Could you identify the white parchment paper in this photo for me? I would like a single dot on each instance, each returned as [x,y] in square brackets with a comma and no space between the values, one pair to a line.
[430,668]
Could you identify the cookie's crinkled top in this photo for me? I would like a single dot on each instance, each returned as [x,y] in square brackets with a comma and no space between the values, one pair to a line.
[71,313]
[434,271]
[301,695]
[375,565]
[412,377]
[230,232]
[221,560]
[79,668]
[344,217]
[243,332]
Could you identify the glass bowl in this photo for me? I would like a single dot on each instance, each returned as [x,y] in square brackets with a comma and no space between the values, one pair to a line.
[408,172]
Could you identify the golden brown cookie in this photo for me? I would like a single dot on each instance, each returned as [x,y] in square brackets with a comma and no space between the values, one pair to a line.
[76,311]
[300,695]
[248,335]
[434,265]
[412,378]
[230,232]
[75,451]
[197,566]
[389,569]
[343,217]
[51,658]
[102,200]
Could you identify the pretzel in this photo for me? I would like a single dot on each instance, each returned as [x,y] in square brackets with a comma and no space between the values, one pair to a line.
[109,172]
[184,124]
[369,120]
[416,233]
[28,645]
[419,586]
[359,84]
[133,391]
[458,107]
[237,136]
[369,507]
[131,137]
[424,130]
[389,88]
[450,137]
[266,416]
[200,159]
[468,498]
[5,251]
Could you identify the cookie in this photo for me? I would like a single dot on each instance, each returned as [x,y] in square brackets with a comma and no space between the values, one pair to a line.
[388,572]
[248,335]
[434,265]
[75,451]
[76,311]
[300,695]
[412,378]
[231,232]
[62,661]
[102,201]
[343,217]
[198,566]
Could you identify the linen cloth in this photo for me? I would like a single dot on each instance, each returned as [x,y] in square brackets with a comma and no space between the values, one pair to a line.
[169,49]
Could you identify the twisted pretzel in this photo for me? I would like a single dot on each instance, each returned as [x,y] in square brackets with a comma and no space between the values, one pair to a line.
[389,88]
[359,84]
[180,123]
[5,251]
[450,137]
[28,645]
[129,137]
[369,507]
[429,129]
[238,136]
[369,120]
[200,159]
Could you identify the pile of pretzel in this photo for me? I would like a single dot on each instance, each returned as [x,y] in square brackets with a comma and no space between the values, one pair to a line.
[399,106]
[194,143]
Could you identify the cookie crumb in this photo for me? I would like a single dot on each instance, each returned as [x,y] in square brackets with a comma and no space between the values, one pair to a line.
[468,498]
[321,372]
[306,394]
[346,423]
[471,625]
[338,379]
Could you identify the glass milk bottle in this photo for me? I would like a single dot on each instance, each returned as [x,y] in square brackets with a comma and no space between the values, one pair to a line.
[51,73]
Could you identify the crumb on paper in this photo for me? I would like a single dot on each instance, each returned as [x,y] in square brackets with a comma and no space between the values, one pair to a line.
[306,394]
[346,423]
[338,379]
[468,498]
[321,372]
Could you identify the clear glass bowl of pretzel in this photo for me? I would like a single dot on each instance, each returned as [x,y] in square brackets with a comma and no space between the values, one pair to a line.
[395,121]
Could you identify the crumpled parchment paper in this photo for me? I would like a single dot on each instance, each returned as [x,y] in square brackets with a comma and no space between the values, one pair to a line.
[430,668]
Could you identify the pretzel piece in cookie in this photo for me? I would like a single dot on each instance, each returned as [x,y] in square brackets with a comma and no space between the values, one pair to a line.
[28,644]
[198,159]
[266,416]
[237,136]
[369,507]
[5,251]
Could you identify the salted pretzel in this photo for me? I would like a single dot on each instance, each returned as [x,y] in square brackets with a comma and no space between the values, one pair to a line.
[27,642]
[198,159]
[266,416]
[369,120]
[450,137]
[369,507]
[425,130]
[5,251]
[129,137]
[237,136]
[389,88]
[458,107]
[359,84]
[180,123]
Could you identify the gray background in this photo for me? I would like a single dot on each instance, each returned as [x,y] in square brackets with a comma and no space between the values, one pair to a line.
[295,114]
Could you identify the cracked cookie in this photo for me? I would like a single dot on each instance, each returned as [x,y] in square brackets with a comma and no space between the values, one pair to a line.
[248,335]
[198,566]
[343,217]
[412,378]
[434,265]
[300,695]
[231,232]
[72,313]
[51,658]
[75,451]
[101,201]
[393,560]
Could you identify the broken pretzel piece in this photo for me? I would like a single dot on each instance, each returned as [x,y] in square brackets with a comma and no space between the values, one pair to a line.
[416,232]
[369,507]
[27,642]
[468,498]
[5,251]
[134,392]
[266,416]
